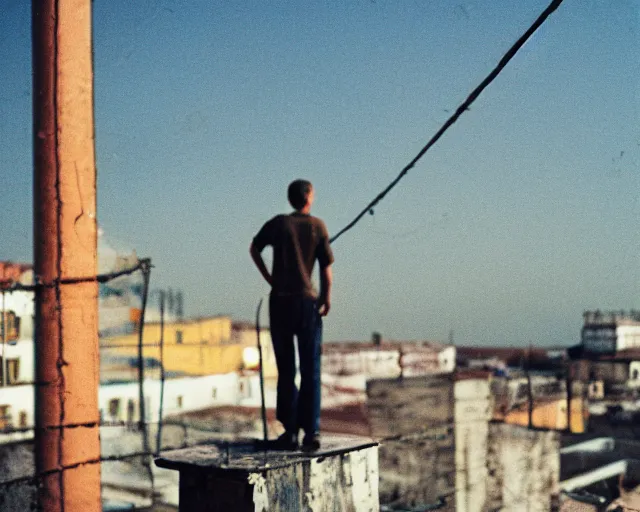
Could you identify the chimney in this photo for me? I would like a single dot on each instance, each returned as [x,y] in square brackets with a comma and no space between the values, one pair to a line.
[376,339]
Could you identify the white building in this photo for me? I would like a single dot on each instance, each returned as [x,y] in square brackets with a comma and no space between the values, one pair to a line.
[119,403]
[610,332]
[16,353]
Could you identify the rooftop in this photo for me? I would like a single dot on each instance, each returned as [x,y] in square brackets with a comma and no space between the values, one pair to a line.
[395,345]
[250,455]
[503,353]
[621,317]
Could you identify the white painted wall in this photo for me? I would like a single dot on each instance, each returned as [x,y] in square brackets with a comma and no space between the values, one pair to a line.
[447,359]
[180,395]
[628,337]
[472,412]
[389,363]
[23,350]
[20,400]
[530,466]
[21,303]
[374,364]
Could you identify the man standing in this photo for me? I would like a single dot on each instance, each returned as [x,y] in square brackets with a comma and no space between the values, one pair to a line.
[295,309]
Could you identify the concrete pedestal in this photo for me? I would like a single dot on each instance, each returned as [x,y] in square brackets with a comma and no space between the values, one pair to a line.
[241,476]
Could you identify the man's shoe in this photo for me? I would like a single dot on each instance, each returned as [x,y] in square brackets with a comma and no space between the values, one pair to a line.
[287,441]
[311,442]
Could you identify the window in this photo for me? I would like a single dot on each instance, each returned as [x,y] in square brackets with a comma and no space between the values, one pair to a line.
[214,393]
[114,408]
[5,417]
[244,390]
[131,409]
[23,419]
[13,371]
[635,375]
[179,401]
[179,337]
[12,324]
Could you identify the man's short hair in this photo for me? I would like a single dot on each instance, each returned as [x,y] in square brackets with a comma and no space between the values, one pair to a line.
[298,193]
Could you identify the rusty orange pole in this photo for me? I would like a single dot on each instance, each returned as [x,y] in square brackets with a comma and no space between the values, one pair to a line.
[67,441]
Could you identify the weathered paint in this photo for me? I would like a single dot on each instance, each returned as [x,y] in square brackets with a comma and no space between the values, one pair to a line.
[370,363]
[342,477]
[399,407]
[472,414]
[260,494]
[390,360]
[362,475]
[17,461]
[414,416]
[418,470]
[523,468]
[65,246]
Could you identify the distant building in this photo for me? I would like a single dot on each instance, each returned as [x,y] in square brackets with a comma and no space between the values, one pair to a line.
[16,325]
[196,346]
[381,359]
[441,450]
[609,351]
[244,334]
[501,359]
[549,407]
[11,272]
[610,332]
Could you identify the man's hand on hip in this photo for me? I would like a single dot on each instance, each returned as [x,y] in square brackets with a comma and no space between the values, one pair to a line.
[324,305]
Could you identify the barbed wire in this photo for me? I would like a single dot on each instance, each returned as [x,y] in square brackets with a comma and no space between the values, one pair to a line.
[464,106]
[143,265]
[34,479]
[8,286]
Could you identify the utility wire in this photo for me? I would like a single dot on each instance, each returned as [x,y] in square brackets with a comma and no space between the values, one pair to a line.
[459,111]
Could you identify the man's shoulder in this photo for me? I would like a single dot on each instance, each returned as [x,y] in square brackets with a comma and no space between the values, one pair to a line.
[277,219]
[317,220]
[320,226]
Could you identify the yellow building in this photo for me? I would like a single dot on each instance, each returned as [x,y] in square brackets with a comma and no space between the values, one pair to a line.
[200,346]
[548,413]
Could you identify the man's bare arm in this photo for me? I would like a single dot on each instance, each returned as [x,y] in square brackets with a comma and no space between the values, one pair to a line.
[257,259]
[326,280]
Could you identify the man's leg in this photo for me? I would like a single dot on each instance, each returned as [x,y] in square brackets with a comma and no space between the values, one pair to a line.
[310,350]
[284,350]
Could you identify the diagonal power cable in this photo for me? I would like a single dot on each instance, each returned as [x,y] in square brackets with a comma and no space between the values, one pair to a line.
[459,111]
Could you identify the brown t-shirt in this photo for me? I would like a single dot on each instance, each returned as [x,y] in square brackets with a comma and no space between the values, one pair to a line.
[298,240]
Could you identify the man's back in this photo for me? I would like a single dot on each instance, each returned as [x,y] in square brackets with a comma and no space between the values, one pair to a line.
[297,239]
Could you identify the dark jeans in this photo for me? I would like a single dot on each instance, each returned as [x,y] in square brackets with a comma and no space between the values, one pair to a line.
[297,316]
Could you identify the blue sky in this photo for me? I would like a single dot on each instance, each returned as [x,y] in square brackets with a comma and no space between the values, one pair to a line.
[523,215]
